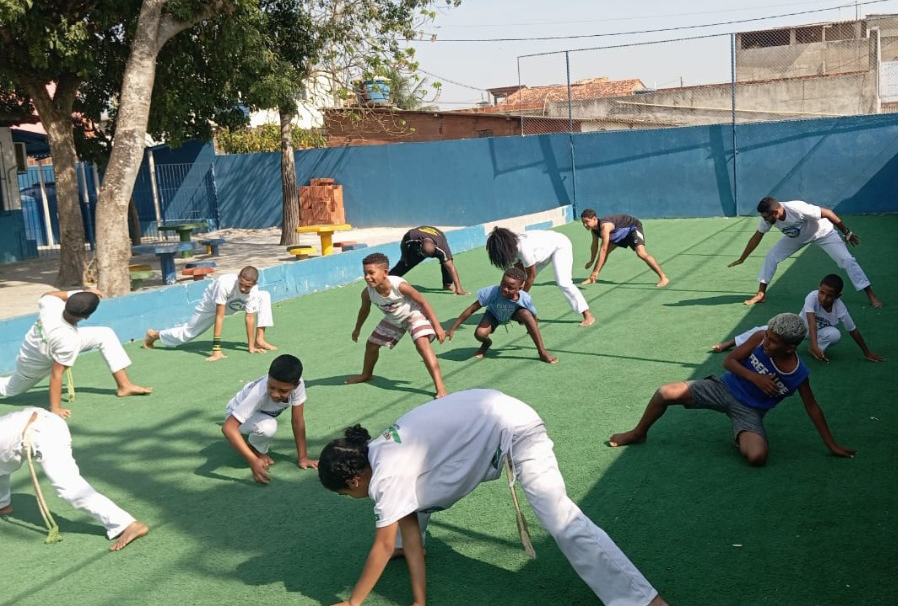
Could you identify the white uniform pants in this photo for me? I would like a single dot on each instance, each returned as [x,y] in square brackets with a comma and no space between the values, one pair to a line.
[30,372]
[201,321]
[831,243]
[51,445]
[259,430]
[562,261]
[589,549]
[826,336]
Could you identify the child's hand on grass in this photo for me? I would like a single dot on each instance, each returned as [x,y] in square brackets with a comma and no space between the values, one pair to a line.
[842,451]
[260,471]
[818,353]
[872,357]
[306,463]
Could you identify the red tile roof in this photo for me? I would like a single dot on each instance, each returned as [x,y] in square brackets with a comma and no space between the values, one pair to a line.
[536,97]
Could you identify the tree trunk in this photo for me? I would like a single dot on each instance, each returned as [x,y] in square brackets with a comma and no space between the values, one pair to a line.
[291,209]
[56,118]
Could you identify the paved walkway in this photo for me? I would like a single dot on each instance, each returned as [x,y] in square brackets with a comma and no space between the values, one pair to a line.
[22,284]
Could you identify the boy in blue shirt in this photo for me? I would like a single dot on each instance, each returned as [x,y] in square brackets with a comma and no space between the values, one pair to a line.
[760,374]
[503,303]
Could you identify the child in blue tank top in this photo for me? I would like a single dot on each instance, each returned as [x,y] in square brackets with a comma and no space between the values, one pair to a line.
[761,372]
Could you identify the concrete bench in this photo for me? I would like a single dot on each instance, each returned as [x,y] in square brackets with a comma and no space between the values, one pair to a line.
[139,273]
[198,273]
[212,245]
[355,246]
[344,243]
[301,252]
[166,254]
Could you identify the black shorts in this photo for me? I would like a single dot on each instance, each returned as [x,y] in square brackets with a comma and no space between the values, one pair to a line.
[636,238]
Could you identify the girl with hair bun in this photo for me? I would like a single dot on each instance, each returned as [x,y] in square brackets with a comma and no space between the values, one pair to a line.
[438,453]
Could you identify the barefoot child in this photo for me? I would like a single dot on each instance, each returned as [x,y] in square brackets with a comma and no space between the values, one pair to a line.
[405,310]
[54,342]
[803,224]
[48,438]
[254,410]
[439,452]
[822,312]
[616,231]
[226,294]
[503,303]
[760,374]
[533,251]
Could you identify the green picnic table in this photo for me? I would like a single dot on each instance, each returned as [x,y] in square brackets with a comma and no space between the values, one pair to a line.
[184,230]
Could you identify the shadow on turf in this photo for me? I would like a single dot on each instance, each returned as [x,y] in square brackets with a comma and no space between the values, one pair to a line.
[26,514]
[203,347]
[376,381]
[715,300]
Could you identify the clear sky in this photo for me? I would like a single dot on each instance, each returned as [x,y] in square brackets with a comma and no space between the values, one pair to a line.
[485,65]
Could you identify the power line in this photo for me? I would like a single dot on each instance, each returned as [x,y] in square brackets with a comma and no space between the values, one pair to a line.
[650,31]
[452,81]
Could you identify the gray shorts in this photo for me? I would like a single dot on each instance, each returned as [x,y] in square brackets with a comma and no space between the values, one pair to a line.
[712,393]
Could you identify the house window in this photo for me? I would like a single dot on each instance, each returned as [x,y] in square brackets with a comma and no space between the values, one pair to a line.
[487,132]
[807,35]
[766,39]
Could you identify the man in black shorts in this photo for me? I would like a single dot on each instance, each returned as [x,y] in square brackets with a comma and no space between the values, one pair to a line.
[615,231]
[422,243]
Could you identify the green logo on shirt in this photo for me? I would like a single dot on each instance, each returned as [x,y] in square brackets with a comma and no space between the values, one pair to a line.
[497,458]
[392,433]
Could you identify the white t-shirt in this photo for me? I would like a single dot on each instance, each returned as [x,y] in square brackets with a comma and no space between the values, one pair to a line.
[254,398]
[803,221]
[538,246]
[51,339]
[826,318]
[396,306]
[439,452]
[224,290]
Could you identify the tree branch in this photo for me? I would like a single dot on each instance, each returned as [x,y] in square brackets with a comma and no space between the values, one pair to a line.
[169,26]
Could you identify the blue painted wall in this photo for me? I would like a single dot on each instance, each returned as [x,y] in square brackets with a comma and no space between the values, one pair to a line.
[13,243]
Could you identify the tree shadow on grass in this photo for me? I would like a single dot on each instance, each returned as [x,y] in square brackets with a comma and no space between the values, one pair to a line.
[26,514]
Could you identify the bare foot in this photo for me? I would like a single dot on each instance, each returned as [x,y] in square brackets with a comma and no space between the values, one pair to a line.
[718,348]
[133,390]
[588,319]
[357,379]
[629,437]
[152,337]
[662,282]
[135,530]
[265,345]
[216,355]
[547,357]
[758,298]
[5,511]
[484,347]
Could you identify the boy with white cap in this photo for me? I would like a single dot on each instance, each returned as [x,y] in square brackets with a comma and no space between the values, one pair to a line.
[226,295]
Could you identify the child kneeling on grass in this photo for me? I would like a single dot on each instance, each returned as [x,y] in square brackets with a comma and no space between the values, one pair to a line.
[254,411]
[503,303]
[761,373]
[405,309]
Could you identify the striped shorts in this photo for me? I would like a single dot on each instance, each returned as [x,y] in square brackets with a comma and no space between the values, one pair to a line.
[386,334]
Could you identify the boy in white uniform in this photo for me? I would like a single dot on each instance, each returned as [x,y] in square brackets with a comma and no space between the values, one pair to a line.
[802,224]
[226,295]
[254,410]
[438,453]
[532,251]
[822,313]
[54,342]
[50,442]
[405,310]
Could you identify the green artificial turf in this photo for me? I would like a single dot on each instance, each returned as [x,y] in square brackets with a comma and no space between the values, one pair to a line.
[703,526]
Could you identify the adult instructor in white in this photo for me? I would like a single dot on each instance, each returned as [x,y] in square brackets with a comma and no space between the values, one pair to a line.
[803,224]
[438,453]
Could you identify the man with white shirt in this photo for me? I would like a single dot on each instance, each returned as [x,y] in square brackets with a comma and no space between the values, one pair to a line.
[226,294]
[54,342]
[802,224]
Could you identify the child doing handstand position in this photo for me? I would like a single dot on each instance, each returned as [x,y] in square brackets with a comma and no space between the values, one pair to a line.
[405,309]
[761,373]
[503,303]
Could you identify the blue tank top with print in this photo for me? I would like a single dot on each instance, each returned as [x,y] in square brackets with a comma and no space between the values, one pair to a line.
[758,361]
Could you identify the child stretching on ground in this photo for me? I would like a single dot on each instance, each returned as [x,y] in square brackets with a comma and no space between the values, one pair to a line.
[503,303]
[405,309]
[226,294]
[822,312]
[254,410]
[761,373]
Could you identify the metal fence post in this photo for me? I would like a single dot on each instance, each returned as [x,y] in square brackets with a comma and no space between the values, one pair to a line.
[733,119]
[570,135]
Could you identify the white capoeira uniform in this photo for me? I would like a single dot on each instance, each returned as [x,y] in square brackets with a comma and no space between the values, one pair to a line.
[804,225]
[541,248]
[401,315]
[224,290]
[441,451]
[51,445]
[52,339]
[258,413]
[827,321]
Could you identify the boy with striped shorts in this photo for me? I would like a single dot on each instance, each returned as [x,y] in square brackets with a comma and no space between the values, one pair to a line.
[405,310]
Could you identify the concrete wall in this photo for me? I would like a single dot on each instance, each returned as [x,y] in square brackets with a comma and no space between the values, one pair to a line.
[131,315]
